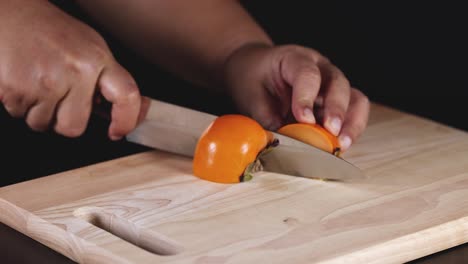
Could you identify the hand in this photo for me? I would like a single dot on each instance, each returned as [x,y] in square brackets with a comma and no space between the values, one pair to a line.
[277,85]
[53,66]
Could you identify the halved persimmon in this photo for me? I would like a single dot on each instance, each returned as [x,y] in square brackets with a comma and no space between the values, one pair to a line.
[314,135]
[228,149]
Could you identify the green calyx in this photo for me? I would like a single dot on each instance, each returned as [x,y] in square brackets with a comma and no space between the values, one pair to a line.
[257,166]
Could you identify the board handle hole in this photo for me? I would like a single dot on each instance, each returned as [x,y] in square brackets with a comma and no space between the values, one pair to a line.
[143,238]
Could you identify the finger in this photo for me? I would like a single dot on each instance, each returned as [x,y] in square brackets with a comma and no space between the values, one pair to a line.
[74,107]
[268,110]
[41,115]
[303,76]
[267,117]
[305,90]
[355,120]
[119,88]
[17,104]
[336,98]
[51,89]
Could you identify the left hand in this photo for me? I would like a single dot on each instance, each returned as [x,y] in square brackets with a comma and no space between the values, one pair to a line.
[278,85]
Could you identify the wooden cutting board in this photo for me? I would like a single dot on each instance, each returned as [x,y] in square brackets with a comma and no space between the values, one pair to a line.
[413,202]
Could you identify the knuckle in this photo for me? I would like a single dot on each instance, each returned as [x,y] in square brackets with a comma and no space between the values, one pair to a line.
[340,77]
[83,67]
[16,104]
[309,75]
[357,93]
[339,83]
[5,87]
[134,95]
[303,101]
[13,111]
[365,100]
[294,48]
[346,82]
[361,98]
[98,48]
[297,53]
[306,52]
[89,61]
[306,86]
[130,95]
[11,94]
[97,39]
[99,54]
[49,84]
[324,59]
[336,110]
[336,75]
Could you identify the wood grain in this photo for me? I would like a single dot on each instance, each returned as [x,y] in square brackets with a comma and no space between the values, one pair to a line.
[411,204]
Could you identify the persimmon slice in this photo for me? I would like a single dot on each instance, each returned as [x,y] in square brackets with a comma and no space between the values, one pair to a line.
[312,134]
[228,150]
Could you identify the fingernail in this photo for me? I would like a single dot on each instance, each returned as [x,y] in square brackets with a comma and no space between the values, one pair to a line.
[309,115]
[345,142]
[333,125]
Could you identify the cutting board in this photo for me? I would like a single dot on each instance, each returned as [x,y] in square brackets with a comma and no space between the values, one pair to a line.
[148,208]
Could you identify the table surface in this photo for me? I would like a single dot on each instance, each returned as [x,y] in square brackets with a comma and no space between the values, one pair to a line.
[9,240]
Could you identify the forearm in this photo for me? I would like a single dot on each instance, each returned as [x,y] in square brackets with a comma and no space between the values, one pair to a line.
[192,39]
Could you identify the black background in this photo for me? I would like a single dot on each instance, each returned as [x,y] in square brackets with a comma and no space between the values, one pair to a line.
[409,55]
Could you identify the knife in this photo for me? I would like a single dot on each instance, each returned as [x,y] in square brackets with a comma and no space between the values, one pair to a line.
[176,129]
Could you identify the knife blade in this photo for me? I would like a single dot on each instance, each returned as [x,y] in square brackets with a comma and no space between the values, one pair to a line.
[177,129]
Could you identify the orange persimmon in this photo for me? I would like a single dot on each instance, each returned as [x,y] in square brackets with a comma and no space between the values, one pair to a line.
[314,135]
[228,149]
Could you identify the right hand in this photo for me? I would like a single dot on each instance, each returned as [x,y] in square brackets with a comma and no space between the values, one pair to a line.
[52,66]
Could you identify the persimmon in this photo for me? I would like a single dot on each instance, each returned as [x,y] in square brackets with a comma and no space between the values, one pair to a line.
[228,150]
[312,134]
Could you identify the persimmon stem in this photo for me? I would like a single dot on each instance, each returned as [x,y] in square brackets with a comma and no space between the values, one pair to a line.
[250,170]
[337,152]
[257,166]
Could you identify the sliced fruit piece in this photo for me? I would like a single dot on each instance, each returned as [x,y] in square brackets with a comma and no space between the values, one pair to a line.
[314,135]
[228,149]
